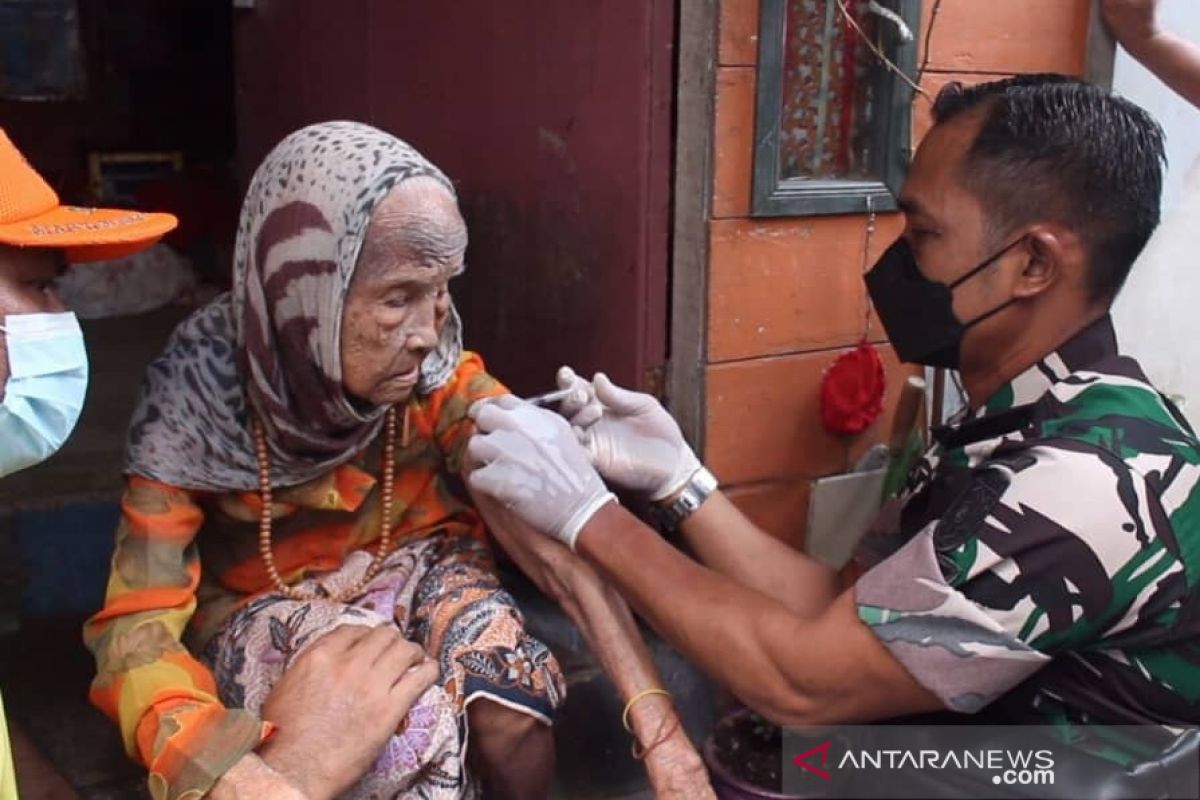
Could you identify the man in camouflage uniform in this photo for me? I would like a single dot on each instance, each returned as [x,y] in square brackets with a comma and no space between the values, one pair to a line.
[1059,519]
[1041,562]
[1045,549]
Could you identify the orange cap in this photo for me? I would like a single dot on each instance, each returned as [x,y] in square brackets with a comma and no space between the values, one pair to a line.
[31,216]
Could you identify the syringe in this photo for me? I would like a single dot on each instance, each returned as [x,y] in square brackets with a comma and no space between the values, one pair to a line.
[549,398]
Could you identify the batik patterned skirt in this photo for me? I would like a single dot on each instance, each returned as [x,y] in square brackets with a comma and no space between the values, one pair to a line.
[441,592]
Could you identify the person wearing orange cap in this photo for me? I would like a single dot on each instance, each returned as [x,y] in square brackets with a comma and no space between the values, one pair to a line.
[43,362]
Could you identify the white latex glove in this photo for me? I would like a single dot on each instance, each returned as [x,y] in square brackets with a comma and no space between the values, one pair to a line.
[529,461]
[631,438]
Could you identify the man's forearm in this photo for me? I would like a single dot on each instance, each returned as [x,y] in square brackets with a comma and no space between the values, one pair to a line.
[721,626]
[251,778]
[1175,61]
[792,669]
[725,540]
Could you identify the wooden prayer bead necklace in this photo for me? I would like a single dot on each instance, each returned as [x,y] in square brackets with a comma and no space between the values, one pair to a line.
[385,511]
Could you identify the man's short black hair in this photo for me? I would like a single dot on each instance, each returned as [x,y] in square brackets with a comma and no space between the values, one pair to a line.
[1056,148]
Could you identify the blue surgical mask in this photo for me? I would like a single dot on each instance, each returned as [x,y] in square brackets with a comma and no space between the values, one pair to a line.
[47,381]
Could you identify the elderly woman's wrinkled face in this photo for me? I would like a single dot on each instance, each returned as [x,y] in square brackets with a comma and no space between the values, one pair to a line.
[398,298]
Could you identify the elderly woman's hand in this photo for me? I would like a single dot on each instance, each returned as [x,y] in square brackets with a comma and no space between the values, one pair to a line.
[677,773]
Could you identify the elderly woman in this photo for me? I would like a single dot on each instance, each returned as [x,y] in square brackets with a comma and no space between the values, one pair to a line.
[290,518]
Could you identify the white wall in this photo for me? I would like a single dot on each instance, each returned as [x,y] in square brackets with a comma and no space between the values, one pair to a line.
[1156,315]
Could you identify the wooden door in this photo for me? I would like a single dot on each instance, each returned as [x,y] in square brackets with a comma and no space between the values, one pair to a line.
[554,120]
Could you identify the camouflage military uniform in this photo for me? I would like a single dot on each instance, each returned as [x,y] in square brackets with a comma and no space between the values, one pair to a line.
[1045,552]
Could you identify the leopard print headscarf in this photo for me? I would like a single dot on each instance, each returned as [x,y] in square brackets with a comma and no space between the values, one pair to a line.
[275,338]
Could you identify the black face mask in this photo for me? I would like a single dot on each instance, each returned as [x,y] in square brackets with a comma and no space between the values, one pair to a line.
[918,313]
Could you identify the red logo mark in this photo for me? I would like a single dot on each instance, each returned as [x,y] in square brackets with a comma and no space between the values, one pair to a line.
[801,760]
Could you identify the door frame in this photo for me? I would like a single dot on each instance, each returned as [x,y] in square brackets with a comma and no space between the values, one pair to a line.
[695,95]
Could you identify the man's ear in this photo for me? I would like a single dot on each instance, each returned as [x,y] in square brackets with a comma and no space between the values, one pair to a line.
[1051,253]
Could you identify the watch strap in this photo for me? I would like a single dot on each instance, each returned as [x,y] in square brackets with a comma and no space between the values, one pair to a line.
[697,489]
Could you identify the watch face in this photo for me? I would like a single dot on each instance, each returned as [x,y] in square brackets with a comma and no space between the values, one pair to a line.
[705,482]
[697,490]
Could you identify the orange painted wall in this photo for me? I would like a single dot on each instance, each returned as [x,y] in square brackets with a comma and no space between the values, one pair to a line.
[786,295]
